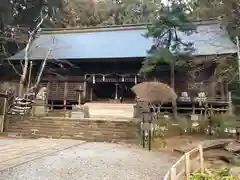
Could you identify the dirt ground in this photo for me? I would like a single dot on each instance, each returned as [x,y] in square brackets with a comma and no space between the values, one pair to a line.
[211,157]
[173,142]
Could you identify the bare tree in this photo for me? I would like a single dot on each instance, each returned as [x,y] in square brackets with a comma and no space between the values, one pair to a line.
[32,35]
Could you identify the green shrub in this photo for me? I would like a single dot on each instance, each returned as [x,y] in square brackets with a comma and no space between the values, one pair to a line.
[217,175]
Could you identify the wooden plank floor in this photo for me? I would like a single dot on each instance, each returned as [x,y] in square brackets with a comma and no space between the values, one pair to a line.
[23,151]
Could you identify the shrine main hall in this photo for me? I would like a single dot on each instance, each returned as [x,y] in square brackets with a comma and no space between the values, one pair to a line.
[105,61]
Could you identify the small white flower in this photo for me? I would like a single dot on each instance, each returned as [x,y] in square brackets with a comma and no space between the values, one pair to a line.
[195,124]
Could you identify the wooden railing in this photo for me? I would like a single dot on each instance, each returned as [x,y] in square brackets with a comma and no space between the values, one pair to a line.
[183,168]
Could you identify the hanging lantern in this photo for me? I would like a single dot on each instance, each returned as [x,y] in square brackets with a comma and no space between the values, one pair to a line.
[94,80]
[103,78]
[123,79]
[135,79]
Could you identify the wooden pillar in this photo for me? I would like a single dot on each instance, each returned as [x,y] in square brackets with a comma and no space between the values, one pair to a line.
[222,90]
[226,89]
[65,94]
[213,89]
[85,87]
[48,90]
[47,95]
[3,116]
[91,94]
[230,108]
[52,105]
[193,108]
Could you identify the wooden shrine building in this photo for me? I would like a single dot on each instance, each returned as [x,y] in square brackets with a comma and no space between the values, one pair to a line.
[105,61]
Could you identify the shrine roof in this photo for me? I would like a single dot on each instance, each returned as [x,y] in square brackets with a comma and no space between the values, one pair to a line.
[121,42]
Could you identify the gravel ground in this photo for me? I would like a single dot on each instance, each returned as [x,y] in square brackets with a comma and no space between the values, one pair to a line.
[94,161]
[5,141]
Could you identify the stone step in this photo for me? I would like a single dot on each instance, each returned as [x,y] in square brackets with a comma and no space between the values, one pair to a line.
[82,128]
[79,132]
[70,130]
[129,140]
[110,104]
[66,128]
[86,129]
[116,135]
[127,110]
[85,137]
[73,124]
[118,120]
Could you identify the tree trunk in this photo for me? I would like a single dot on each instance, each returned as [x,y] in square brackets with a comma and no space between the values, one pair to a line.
[26,59]
[222,90]
[39,76]
[174,103]
[25,69]
[26,63]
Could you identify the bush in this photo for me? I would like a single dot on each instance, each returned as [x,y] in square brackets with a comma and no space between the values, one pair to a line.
[218,175]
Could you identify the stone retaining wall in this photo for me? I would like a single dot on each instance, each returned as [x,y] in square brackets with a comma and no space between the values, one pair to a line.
[84,129]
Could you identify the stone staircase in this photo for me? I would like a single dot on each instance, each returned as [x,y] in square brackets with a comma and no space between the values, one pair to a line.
[110,110]
[85,129]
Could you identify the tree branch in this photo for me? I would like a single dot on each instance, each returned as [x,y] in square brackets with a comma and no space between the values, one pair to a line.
[6,55]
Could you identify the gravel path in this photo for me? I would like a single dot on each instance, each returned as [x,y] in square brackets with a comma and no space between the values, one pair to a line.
[9,141]
[94,161]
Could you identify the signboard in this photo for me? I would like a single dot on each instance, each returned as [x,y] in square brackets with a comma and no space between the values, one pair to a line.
[194,117]
[147,117]
[146,126]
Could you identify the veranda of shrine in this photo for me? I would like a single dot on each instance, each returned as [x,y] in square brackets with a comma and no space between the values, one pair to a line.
[104,63]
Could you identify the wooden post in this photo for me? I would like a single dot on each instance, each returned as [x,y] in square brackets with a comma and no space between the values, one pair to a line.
[65,95]
[85,87]
[222,90]
[201,158]
[211,109]
[230,108]
[91,94]
[193,109]
[173,174]
[187,166]
[51,105]
[205,114]
[47,95]
[201,113]
[4,114]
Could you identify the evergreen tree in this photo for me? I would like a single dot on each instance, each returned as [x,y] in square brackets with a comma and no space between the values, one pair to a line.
[168,47]
[227,11]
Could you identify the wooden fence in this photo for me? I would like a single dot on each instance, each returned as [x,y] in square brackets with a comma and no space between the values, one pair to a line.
[190,161]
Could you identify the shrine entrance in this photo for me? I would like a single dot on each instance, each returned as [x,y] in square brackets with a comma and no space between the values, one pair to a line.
[110,88]
[115,91]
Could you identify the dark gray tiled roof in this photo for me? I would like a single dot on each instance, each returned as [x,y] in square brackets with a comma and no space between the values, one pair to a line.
[210,39]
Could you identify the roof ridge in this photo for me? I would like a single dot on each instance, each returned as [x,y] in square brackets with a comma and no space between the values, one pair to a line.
[94,29]
[114,27]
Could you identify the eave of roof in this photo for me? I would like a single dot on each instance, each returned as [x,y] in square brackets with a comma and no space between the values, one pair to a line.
[121,42]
